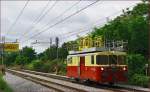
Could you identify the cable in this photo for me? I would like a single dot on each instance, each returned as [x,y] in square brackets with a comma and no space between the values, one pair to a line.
[77,32]
[63,20]
[40,17]
[69,34]
[21,12]
[57,16]
[46,12]
[33,23]
[61,14]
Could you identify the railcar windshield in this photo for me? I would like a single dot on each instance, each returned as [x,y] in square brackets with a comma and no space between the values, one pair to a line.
[121,60]
[112,59]
[102,59]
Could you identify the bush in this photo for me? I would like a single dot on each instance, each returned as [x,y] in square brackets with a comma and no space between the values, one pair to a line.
[46,67]
[136,64]
[37,65]
[3,85]
[29,66]
[136,70]
[140,80]
[54,66]
[20,60]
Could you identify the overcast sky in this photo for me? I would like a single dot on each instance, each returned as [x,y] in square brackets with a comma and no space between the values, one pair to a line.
[29,23]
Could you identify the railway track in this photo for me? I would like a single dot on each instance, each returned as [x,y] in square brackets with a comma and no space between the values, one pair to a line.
[118,86]
[42,78]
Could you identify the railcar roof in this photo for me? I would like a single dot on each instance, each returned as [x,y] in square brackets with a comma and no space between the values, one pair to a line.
[100,53]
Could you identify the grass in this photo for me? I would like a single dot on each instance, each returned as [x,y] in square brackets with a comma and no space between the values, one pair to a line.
[4,86]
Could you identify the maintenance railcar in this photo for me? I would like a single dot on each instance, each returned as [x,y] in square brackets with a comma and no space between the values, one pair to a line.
[98,66]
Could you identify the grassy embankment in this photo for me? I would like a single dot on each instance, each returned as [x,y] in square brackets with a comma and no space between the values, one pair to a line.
[4,86]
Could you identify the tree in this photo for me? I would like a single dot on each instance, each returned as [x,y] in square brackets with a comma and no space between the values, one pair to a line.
[21,60]
[131,26]
[10,58]
[28,53]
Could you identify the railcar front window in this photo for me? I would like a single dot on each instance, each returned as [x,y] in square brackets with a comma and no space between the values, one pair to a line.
[69,60]
[121,60]
[112,59]
[101,59]
[92,59]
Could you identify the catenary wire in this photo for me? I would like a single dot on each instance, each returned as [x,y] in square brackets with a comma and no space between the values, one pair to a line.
[34,22]
[21,12]
[62,20]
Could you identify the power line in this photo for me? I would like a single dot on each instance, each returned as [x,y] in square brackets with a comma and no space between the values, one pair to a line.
[81,31]
[61,14]
[77,32]
[21,12]
[62,20]
[40,17]
[69,34]
[57,16]
[46,12]
[33,23]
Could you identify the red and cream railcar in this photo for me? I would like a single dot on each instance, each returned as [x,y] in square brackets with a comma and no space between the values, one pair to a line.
[101,67]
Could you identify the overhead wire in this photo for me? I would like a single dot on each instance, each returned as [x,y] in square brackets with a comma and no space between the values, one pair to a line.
[85,29]
[33,23]
[41,17]
[63,20]
[61,14]
[82,29]
[21,12]
[69,34]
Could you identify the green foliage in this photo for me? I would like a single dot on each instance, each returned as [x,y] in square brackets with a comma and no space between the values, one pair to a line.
[137,70]
[37,65]
[140,80]
[3,86]
[140,9]
[131,26]
[136,64]
[51,53]
[10,58]
[54,66]
[21,60]
[29,53]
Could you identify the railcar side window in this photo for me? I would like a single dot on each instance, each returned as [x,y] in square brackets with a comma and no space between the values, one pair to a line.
[112,59]
[101,59]
[92,59]
[69,60]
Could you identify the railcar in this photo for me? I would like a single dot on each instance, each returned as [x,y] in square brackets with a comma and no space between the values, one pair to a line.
[102,66]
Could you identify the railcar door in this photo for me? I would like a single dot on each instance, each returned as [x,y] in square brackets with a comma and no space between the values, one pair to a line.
[82,66]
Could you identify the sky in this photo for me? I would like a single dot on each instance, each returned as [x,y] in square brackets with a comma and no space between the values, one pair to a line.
[39,16]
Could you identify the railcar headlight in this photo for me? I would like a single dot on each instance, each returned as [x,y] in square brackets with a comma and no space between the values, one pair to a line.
[102,68]
[124,68]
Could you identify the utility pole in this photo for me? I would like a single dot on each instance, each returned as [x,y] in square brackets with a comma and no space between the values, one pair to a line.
[57,44]
[50,42]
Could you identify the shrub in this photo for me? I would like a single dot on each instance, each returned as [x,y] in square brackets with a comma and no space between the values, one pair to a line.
[3,85]
[136,64]
[37,65]
[140,80]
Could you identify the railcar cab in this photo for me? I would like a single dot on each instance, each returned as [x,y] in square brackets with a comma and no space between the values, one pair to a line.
[99,66]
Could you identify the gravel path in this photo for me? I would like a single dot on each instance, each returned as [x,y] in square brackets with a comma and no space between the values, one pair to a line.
[86,88]
[19,84]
